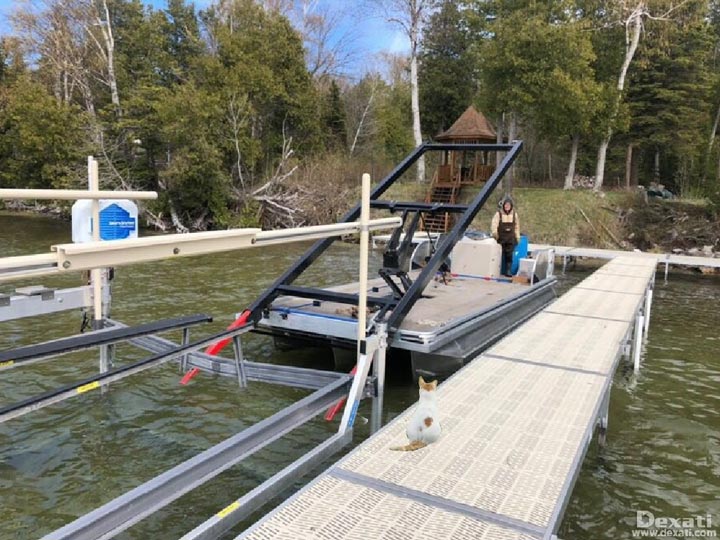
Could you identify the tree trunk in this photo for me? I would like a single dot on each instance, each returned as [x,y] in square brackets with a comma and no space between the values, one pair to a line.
[573,159]
[656,166]
[415,97]
[550,175]
[499,156]
[512,135]
[711,141]
[628,166]
[633,28]
[107,33]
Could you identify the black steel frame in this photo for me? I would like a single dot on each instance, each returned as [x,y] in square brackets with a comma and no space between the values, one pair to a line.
[442,251]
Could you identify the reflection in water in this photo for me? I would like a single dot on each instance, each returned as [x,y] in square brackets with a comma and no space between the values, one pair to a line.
[663,451]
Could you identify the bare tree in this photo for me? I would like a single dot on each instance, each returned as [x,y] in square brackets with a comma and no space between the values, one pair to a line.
[632,15]
[410,16]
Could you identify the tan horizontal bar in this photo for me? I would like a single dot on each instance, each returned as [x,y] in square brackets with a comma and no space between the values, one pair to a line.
[76,257]
[75,194]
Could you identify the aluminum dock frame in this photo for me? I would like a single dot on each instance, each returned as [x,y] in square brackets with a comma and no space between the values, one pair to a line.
[517,423]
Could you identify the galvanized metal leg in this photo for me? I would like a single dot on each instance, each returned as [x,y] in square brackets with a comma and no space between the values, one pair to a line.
[358,385]
[239,362]
[603,420]
[667,267]
[639,325]
[648,305]
[564,263]
[185,341]
[379,372]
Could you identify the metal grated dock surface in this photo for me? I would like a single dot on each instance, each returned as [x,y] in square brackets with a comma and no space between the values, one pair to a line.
[516,424]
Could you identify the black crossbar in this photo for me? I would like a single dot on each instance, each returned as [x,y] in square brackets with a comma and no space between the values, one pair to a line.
[332,296]
[30,353]
[91,383]
[395,206]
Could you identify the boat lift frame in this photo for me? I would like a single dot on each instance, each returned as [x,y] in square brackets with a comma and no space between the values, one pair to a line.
[395,309]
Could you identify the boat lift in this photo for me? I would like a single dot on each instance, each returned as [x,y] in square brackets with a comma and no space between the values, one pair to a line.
[328,387]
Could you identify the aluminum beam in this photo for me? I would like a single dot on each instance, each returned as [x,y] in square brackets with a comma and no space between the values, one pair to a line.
[18,306]
[135,505]
[243,507]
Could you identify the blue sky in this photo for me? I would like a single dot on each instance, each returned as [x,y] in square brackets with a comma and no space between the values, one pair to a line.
[371,34]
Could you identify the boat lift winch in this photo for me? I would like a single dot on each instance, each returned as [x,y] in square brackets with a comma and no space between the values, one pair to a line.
[327,387]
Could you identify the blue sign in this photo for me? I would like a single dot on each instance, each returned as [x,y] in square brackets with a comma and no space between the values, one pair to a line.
[116,223]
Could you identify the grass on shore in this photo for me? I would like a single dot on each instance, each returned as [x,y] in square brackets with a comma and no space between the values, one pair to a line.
[552,216]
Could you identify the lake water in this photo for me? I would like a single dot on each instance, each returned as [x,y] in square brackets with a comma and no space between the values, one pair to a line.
[662,455]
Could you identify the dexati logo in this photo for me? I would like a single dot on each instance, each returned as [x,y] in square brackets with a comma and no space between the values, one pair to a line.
[648,525]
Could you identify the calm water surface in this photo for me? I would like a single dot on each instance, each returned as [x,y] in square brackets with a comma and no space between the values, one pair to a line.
[663,451]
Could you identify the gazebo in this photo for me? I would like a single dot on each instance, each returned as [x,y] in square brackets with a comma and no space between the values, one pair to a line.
[466,167]
[459,167]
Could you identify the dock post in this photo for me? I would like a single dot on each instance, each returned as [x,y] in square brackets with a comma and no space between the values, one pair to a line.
[379,372]
[648,305]
[185,341]
[603,420]
[639,325]
[564,262]
[366,348]
[667,267]
[239,361]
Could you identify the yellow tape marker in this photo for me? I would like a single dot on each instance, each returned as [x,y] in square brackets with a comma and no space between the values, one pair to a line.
[229,509]
[87,387]
[8,363]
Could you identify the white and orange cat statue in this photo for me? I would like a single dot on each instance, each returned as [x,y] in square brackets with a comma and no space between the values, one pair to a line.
[424,426]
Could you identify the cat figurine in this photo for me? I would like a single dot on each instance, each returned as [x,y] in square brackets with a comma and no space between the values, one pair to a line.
[424,427]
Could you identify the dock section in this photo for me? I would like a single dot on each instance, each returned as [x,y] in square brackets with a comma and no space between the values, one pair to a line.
[516,422]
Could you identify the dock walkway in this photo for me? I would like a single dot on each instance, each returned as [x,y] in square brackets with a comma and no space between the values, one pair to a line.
[566,252]
[516,423]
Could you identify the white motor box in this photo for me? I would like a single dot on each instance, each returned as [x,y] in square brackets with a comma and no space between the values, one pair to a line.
[479,258]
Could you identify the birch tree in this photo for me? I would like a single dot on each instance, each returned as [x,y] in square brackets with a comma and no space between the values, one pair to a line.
[631,15]
[409,16]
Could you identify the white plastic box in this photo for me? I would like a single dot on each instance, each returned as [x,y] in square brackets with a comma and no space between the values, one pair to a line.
[118,220]
[479,258]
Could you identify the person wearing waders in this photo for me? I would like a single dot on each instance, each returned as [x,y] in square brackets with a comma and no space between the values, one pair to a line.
[506,230]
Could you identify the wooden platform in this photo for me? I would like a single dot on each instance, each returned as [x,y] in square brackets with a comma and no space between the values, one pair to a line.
[516,424]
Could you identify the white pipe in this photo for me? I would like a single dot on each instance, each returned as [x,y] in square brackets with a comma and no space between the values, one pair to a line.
[648,305]
[364,248]
[96,273]
[74,194]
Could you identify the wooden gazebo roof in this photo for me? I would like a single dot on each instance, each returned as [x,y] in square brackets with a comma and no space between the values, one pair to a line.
[471,126]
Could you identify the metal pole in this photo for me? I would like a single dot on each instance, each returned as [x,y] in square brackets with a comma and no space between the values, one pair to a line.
[379,372]
[648,305]
[239,362]
[639,324]
[667,267]
[96,274]
[365,350]
[185,341]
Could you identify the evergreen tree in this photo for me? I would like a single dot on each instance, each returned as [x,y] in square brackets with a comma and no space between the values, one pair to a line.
[448,78]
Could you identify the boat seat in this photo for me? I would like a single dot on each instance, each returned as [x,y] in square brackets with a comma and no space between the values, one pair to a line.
[31,353]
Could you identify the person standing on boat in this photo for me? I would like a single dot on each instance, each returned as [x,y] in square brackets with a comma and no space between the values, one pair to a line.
[506,230]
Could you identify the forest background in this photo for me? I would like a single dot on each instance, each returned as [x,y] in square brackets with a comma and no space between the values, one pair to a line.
[246,112]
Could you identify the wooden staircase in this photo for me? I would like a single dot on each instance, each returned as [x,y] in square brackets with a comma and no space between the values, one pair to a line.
[440,193]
